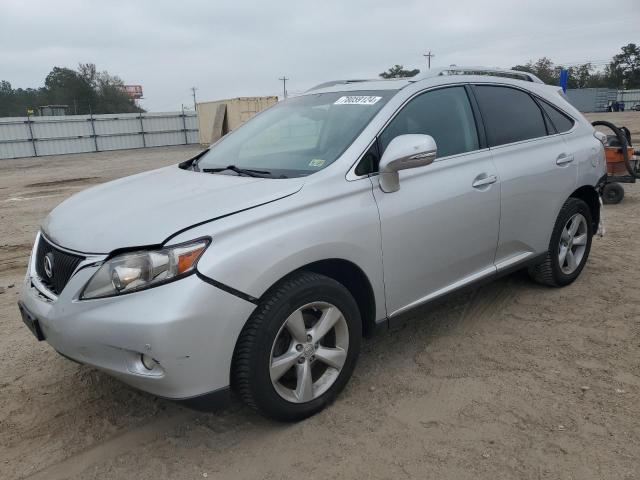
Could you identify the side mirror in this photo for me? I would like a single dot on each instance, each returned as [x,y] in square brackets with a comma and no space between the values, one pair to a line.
[405,151]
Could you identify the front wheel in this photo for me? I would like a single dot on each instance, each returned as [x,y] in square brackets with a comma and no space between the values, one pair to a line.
[569,246]
[299,347]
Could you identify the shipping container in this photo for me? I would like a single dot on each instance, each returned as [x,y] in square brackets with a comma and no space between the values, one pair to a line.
[219,117]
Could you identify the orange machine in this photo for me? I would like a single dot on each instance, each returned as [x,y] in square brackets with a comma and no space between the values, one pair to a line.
[616,164]
[622,161]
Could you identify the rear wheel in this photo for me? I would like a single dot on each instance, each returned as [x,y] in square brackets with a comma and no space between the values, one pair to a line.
[569,246]
[299,348]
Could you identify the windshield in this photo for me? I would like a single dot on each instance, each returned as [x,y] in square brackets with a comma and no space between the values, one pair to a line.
[296,137]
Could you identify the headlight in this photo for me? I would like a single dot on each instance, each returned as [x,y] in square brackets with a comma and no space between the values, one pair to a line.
[129,272]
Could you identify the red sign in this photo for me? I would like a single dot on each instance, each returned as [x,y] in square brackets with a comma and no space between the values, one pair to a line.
[134,91]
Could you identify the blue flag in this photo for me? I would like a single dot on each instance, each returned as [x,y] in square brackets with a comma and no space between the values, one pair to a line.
[564,78]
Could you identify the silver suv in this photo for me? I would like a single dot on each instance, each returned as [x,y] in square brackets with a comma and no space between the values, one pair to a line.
[258,265]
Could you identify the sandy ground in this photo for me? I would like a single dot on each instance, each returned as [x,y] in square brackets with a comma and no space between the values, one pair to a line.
[629,119]
[510,381]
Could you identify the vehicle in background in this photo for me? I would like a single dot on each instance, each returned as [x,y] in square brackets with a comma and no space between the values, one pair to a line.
[615,107]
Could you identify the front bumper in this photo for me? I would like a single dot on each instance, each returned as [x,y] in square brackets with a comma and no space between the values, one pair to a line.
[188,326]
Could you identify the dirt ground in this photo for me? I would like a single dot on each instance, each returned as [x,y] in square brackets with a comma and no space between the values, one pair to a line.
[513,380]
[629,119]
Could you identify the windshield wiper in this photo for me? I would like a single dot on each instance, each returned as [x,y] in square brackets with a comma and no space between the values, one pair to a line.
[240,171]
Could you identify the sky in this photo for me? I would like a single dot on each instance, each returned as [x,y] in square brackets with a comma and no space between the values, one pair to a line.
[241,48]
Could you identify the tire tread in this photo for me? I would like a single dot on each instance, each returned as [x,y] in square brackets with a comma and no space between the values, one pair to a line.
[241,376]
[543,272]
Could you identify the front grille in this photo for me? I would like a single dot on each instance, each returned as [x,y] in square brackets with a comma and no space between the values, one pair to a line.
[63,265]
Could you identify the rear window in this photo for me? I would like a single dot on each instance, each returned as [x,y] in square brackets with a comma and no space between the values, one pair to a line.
[560,122]
[509,115]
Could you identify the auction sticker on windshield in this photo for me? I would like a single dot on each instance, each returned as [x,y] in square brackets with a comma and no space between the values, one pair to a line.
[357,100]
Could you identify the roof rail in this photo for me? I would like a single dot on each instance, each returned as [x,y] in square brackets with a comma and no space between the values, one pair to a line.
[340,82]
[495,72]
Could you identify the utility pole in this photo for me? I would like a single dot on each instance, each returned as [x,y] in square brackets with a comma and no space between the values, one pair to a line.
[193,89]
[284,86]
[429,56]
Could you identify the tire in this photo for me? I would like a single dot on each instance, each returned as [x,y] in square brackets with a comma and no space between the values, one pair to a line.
[556,270]
[268,343]
[612,193]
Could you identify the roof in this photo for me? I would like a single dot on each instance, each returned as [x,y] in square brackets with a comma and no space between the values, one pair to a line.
[474,70]
[399,83]
[369,84]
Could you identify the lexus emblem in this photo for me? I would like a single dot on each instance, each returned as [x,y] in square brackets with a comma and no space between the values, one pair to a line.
[48,265]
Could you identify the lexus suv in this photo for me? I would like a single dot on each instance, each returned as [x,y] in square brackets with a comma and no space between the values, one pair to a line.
[260,264]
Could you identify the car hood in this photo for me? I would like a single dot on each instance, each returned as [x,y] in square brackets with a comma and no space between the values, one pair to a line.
[147,208]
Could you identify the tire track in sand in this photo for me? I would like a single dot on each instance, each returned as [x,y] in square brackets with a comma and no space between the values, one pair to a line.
[117,445]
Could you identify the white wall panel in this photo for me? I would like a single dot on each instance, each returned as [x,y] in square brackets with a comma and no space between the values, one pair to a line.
[75,133]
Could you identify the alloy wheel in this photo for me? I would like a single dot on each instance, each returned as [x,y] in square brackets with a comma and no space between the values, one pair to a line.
[309,352]
[573,243]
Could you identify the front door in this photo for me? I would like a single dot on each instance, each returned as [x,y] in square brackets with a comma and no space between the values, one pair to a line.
[440,230]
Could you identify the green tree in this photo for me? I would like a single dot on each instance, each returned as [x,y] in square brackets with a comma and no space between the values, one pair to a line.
[66,87]
[398,71]
[6,99]
[622,72]
[543,68]
[624,69]
[83,90]
[580,76]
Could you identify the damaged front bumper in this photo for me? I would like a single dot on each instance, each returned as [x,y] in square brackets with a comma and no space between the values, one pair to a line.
[185,331]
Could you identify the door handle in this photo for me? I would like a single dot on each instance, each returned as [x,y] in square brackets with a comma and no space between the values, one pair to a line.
[563,159]
[483,180]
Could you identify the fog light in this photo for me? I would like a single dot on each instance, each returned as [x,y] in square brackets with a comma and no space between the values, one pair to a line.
[148,362]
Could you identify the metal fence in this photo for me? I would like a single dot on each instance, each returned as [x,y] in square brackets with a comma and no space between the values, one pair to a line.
[591,99]
[599,99]
[38,136]
[631,98]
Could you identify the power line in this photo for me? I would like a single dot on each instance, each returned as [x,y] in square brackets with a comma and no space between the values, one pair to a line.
[579,64]
[428,56]
[193,90]
[595,63]
[284,86]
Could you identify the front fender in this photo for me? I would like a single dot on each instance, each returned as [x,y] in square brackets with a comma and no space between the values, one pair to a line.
[253,250]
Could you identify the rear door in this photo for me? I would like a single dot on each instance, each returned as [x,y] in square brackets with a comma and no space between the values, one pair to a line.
[536,169]
[440,230]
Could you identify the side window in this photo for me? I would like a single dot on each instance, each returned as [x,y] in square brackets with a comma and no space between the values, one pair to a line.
[445,114]
[369,162]
[560,121]
[509,115]
[551,130]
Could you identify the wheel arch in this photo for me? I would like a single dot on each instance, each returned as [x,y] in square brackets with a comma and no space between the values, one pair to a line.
[589,195]
[353,278]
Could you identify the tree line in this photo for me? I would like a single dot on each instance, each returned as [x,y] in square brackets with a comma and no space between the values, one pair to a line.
[84,91]
[622,72]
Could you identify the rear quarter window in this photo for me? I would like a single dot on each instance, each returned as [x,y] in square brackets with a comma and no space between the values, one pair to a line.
[560,121]
[510,115]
